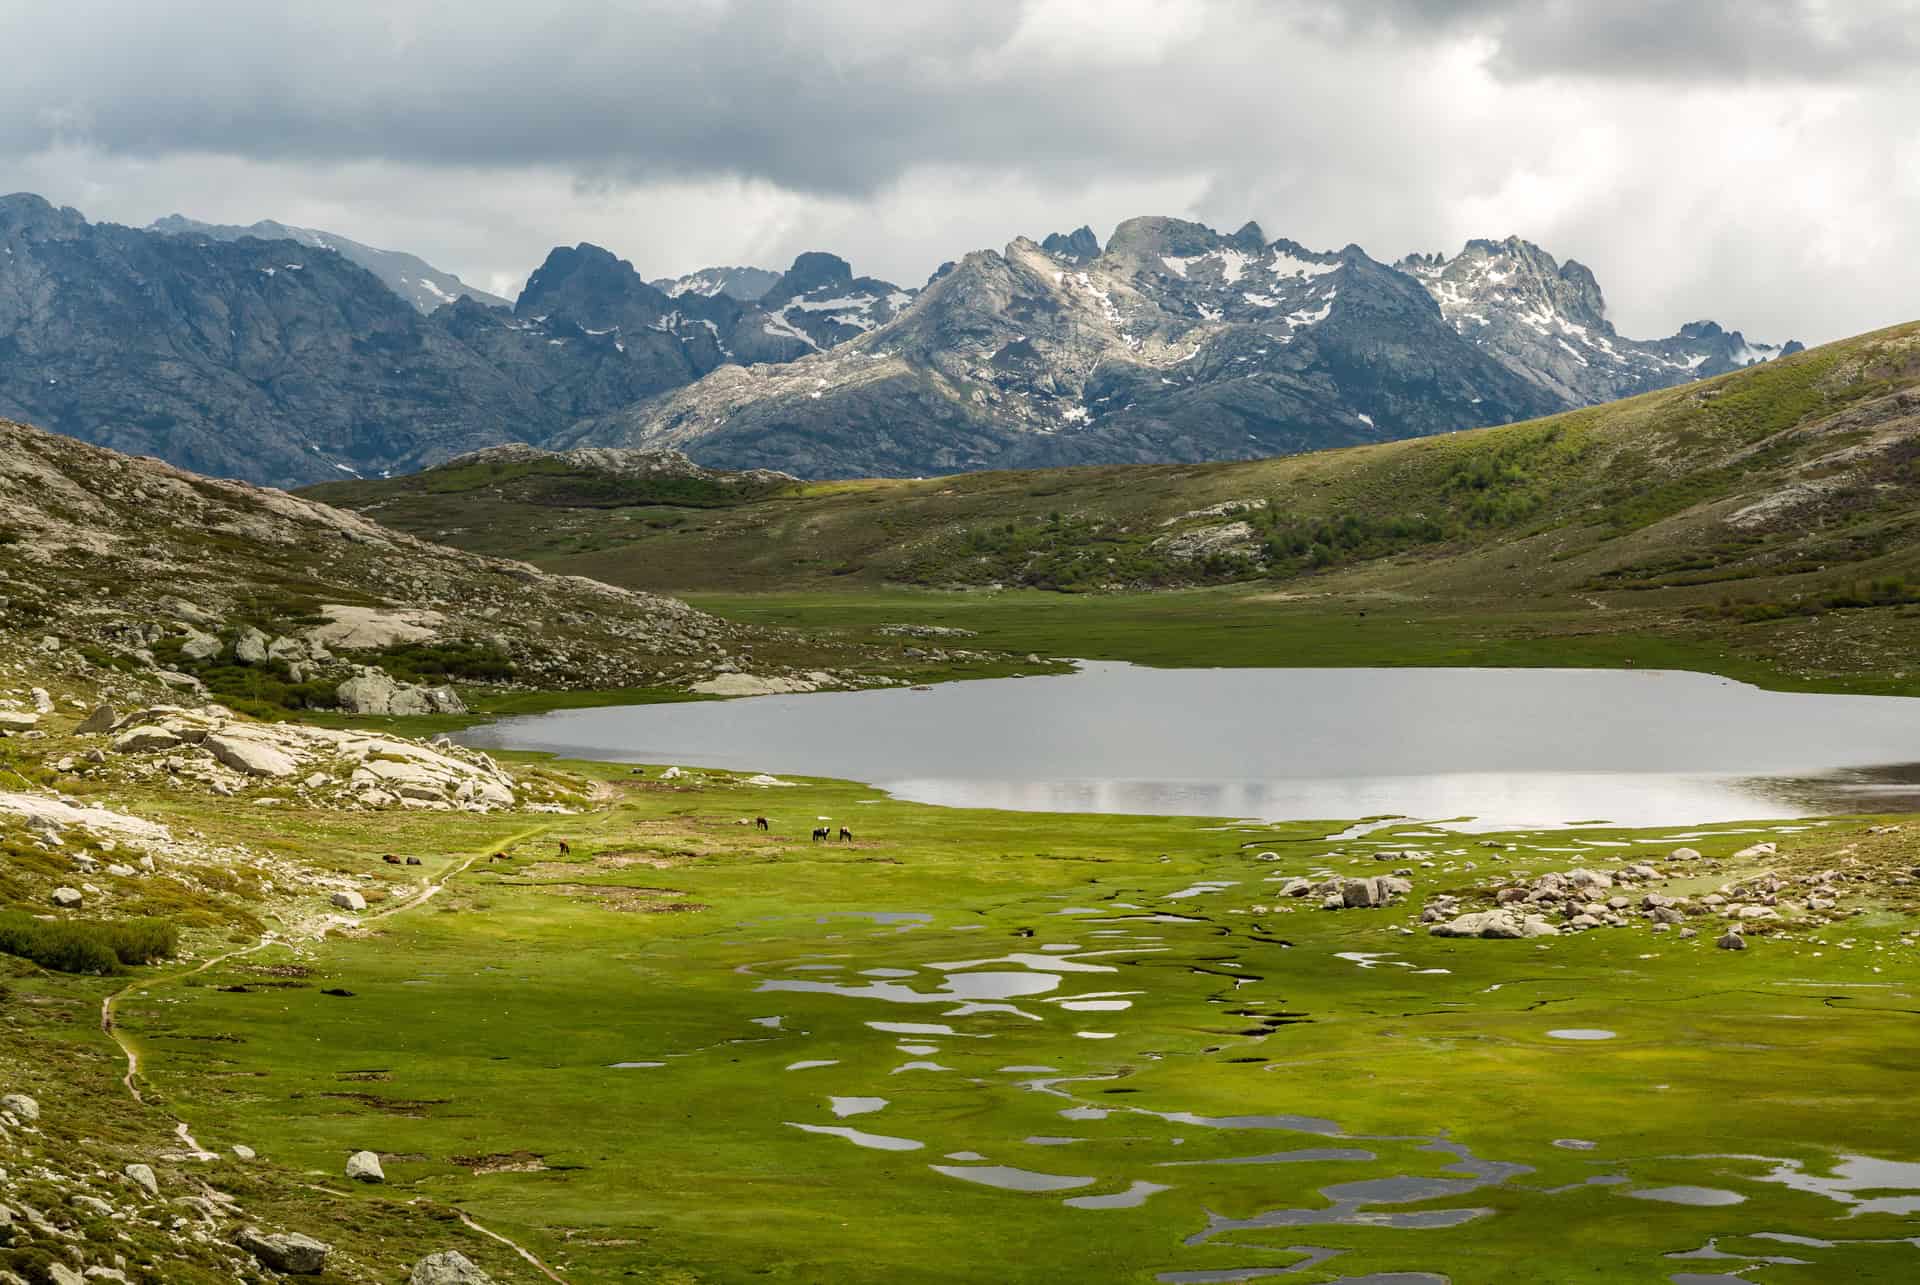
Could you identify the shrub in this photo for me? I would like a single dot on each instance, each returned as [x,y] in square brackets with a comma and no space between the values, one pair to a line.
[85,946]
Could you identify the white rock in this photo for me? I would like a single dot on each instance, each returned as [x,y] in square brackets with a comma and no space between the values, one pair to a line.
[254,757]
[66,898]
[364,1166]
[348,899]
[143,1178]
[22,1107]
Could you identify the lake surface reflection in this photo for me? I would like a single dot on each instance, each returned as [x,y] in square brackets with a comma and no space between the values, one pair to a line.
[1507,747]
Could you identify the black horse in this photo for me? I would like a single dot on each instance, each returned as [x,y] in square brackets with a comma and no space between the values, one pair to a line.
[846,835]
[820,833]
[760,823]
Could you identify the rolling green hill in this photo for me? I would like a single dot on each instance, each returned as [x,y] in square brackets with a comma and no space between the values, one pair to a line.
[1761,523]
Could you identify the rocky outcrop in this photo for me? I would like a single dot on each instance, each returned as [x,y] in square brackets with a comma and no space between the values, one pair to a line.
[1502,923]
[373,692]
[349,768]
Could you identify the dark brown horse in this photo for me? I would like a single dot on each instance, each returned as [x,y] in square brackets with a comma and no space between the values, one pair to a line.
[761,823]
[820,833]
[846,835]
[566,849]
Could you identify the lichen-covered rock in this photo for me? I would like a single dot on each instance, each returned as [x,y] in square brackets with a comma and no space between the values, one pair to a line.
[364,1166]
[22,1107]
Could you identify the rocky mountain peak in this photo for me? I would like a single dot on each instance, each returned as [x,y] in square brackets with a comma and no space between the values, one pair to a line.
[1077,246]
[25,214]
[811,271]
[592,286]
[747,284]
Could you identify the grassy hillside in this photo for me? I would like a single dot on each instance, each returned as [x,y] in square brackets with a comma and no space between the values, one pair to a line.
[1764,520]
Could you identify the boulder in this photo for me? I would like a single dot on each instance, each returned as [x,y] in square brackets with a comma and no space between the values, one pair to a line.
[242,1152]
[200,646]
[13,720]
[1683,854]
[22,1107]
[348,899]
[364,1166]
[289,1252]
[374,692]
[255,758]
[1756,851]
[1732,941]
[101,720]
[149,739]
[143,1178]
[250,648]
[42,700]
[66,898]
[450,1267]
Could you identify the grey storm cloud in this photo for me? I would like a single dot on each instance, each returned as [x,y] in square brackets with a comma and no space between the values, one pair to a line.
[1748,160]
[829,96]
[1690,40]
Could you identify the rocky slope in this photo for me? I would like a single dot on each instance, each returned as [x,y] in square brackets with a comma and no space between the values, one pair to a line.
[135,571]
[1547,322]
[407,275]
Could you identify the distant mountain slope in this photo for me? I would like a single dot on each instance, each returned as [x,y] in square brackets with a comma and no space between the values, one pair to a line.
[409,276]
[1174,343]
[1547,322]
[262,359]
[286,361]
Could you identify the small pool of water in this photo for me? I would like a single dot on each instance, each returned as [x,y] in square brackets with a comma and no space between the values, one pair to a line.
[1634,747]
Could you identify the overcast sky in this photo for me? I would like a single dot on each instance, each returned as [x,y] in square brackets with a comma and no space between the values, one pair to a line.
[1753,161]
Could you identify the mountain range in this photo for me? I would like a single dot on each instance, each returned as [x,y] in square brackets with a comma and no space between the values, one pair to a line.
[288,355]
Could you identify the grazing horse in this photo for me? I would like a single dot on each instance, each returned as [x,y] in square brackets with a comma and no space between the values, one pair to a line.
[821,832]
[413,861]
[846,835]
[498,856]
[760,823]
[566,850]
[391,860]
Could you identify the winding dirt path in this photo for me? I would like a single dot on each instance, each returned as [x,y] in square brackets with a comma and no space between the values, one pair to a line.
[303,930]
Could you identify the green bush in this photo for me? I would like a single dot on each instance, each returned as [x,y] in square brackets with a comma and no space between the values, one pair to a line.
[85,946]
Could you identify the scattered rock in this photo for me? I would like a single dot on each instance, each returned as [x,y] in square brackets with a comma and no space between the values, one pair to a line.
[66,898]
[1732,941]
[348,899]
[13,720]
[241,1152]
[364,1166]
[22,1107]
[143,1178]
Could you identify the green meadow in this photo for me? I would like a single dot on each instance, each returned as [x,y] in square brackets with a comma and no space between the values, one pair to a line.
[1246,1084]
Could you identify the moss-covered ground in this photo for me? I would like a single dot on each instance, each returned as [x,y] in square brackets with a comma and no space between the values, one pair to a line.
[479,1050]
